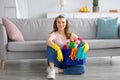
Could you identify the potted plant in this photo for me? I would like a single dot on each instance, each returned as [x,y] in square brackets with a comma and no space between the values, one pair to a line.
[95,5]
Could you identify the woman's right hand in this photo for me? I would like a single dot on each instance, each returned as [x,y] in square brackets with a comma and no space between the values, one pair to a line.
[50,43]
[59,52]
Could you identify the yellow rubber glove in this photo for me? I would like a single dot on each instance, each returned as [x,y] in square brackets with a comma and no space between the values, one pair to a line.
[59,52]
[86,47]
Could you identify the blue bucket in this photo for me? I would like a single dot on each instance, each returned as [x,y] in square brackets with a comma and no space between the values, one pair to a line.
[68,61]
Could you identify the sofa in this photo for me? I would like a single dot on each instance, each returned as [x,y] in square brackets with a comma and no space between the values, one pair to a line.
[35,32]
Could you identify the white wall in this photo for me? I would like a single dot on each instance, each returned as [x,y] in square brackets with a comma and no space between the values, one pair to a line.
[1,10]
[106,5]
[7,9]
[39,8]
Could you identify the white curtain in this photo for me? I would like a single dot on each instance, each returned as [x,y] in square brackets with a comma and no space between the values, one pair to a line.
[22,8]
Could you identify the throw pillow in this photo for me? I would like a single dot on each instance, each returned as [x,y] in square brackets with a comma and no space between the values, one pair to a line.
[107,28]
[12,30]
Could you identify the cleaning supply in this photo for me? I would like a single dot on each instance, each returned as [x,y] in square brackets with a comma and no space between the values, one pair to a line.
[59,52]
[64,47]
[86,47]
[72,45]
[80,39]
[80,44]
[73,53]
[80,54]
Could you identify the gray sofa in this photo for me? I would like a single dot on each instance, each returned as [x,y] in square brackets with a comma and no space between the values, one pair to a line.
[35,32]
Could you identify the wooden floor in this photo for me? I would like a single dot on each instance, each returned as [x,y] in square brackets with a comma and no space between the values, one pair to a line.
[96,69]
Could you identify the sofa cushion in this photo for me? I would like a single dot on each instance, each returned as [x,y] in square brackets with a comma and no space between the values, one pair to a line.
[107,28]
[84,27]
[41,46]
[36,28]
[103,44]
[12,30]
[27,46]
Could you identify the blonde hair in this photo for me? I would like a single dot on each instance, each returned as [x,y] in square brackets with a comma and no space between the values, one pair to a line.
[66,30]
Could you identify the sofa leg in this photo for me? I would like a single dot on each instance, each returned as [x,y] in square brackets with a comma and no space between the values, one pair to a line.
[110,59]
[3,64]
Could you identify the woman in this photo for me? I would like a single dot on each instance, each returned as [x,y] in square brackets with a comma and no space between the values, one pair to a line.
[56,40]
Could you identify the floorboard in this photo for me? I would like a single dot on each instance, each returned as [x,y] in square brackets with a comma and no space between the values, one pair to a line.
[97,68]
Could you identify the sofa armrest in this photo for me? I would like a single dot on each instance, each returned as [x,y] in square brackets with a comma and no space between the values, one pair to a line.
[3,42]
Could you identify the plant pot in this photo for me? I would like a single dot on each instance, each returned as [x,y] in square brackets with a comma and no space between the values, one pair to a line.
[96,9]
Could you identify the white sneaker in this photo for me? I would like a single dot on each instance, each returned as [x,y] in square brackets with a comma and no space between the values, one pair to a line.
[51,74]
[56,69]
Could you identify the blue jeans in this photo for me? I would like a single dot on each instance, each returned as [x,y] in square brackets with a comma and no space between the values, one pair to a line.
[67,69]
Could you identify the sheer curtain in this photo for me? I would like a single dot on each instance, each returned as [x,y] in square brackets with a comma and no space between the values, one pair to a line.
[22,8]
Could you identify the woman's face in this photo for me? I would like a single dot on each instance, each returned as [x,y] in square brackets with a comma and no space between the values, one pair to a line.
[61,23]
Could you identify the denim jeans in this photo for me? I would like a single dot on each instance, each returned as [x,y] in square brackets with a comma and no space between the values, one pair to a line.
[67,69]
